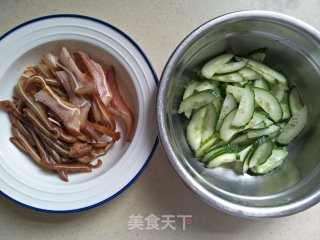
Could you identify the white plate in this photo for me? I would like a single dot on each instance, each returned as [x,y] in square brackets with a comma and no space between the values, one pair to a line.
[20,178]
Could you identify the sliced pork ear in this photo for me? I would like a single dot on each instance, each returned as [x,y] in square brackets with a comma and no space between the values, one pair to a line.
[98,77]
[36,107]
[106,117]
[67,112]
[82,84]
[118,106]
[81,102]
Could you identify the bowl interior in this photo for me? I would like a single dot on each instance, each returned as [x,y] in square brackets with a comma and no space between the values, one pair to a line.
[31,57]
[291,51]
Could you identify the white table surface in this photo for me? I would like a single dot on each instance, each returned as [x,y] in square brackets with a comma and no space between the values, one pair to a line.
[158,27]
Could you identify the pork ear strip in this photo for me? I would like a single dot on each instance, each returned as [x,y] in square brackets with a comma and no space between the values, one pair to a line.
[118,106]
[32,118]
[36,108]
[16,123]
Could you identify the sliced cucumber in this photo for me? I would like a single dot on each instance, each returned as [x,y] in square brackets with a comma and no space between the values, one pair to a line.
[226,130]
[259,126]
[295,102]
[207,144]
[261,154]
[231,67]
[217,102]
[211,67]
[217,150]
[206,85]
[243,154]
[258,54]
[263,132]
[267,73]
[261,83]
[268,122]
[278,91]
[196,101]
[228,105]
[242,140]
[248,74]
[286,111]
[249,106]
[230,77]
[212,152]
[190,89]
[245,109]
[194,128]
[209,122]
[255,145]
[269,103]
[236,92]
[188,92]
[257,118]
[275,160]
[222,159]
[294,127]
[245,162]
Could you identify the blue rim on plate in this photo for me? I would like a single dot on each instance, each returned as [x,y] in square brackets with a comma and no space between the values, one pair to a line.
[155,78]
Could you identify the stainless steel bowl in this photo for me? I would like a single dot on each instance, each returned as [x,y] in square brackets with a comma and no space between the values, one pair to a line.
[294,50]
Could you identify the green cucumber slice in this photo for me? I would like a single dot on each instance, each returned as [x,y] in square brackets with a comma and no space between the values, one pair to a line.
[194,128]
[209,122]
[207,144]
[269,103]
[188,92]
[206,85]
[248,74]
[228,105]
[242,140]
[217,102]
[275,160]
[196,101]
[243,154]
[257,118]
[190,89]
[211,152]
[261,83]
[230,77]
[211,67]
[226,130]
[294,127]
[261,154]
[295,102]
[230,67]
[222,159]
[245,109]
[286,111]
[268,122]
[255,145]
[263,132]
[236,92]
[267,73]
